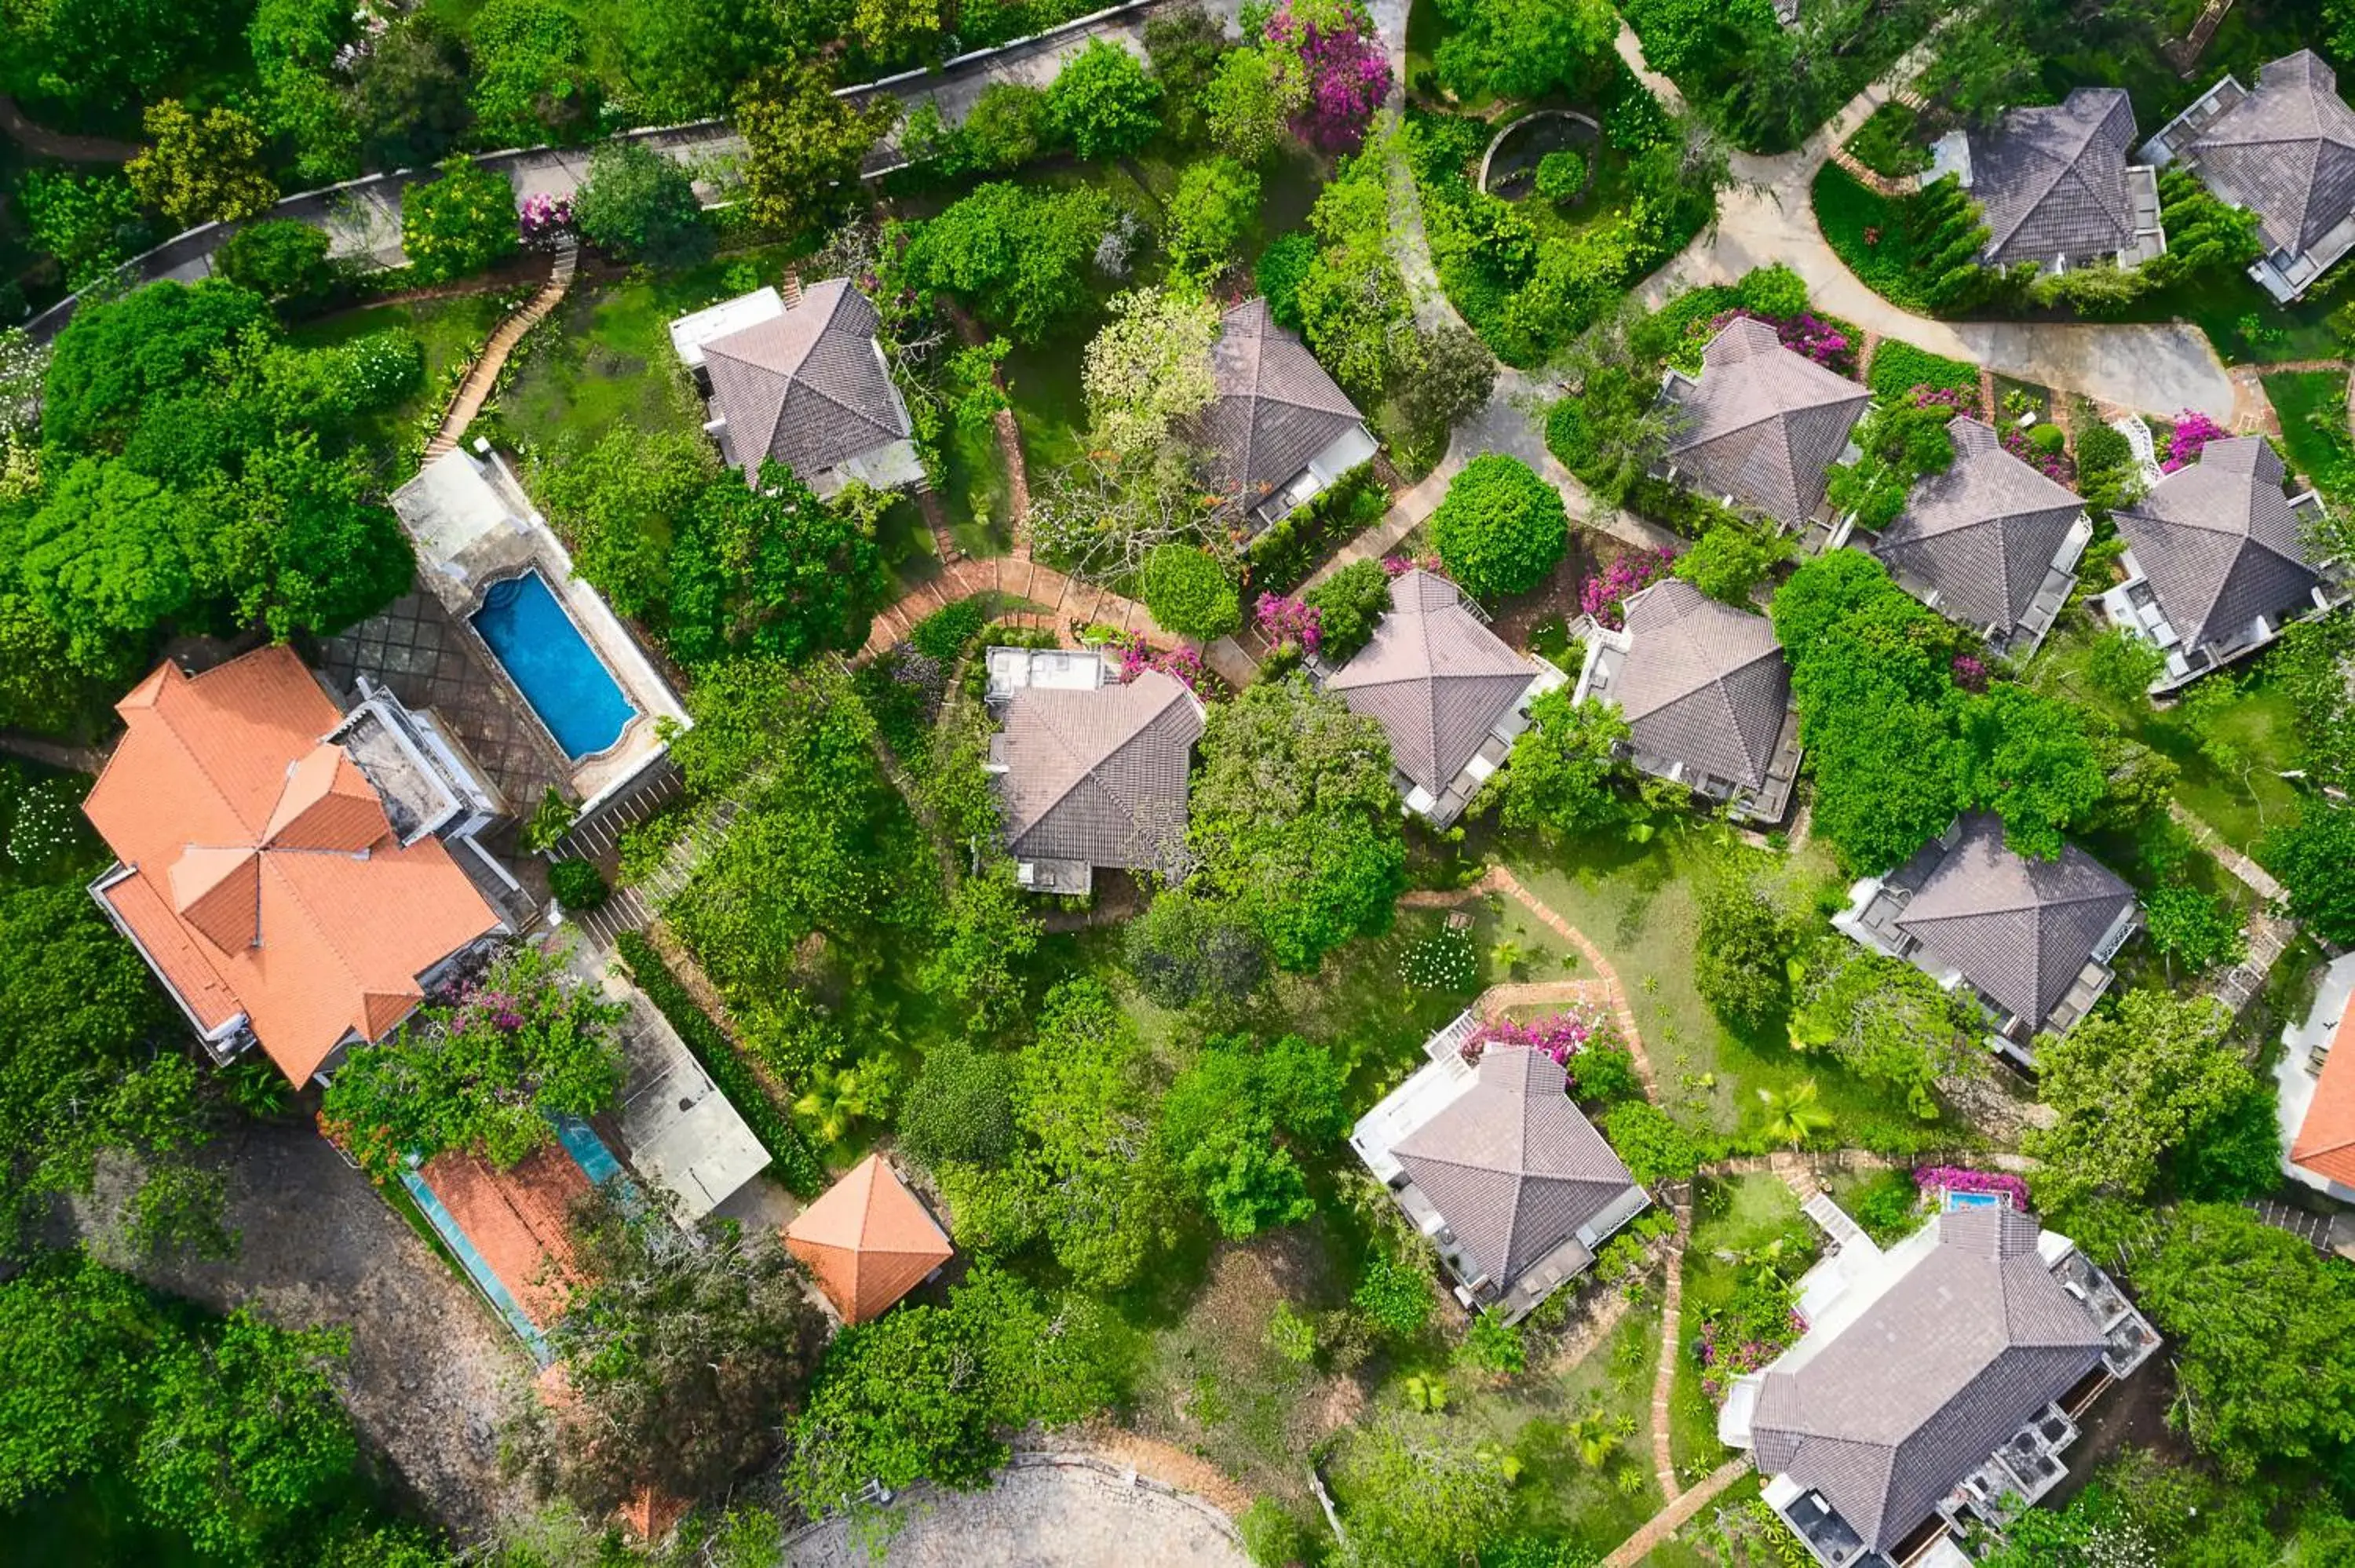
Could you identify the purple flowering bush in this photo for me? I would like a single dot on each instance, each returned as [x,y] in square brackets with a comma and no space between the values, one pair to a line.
[1805,333]
[1560,1035]
[1285,622]
[1935,1178]
[1604,595]
[2054,466]
[1398,565]
[2193,430]
[1347,73]
[1969,674]
[543,217]
[1757,1326]
[1183,661]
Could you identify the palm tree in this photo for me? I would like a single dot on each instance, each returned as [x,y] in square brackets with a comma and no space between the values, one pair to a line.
[1594,1434]
[1795,1115]
[1505,956]
[837,1097]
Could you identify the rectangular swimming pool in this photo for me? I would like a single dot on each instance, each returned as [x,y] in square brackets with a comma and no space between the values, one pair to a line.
[553,665]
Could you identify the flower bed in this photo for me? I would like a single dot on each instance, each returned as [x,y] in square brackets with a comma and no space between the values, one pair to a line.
[1288,623]
[1936,1179]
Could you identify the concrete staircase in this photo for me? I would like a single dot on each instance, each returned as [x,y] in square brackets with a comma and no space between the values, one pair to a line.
[475,391]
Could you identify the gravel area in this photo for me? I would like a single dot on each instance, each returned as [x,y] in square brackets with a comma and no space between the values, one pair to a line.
[1045,1511]
[431,1373]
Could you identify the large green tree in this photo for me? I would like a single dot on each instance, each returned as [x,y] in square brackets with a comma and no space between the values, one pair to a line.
[2257,1326]
[803,145]
[1015,255]
[1565,774]
[2129,1086]
[1500,528]
[483,1072]
[532,78]
[642,206]
[1886,1021]
[1296,820]
[769,568]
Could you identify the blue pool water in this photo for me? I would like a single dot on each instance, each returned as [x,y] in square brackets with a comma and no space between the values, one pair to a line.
[558,672]
[1973,1201]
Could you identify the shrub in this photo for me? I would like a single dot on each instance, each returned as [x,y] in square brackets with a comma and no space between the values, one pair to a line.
[2311,856]
[1212,211]
[1271,1538]
[578,884]
[1396,1296]
[1292,547]
[960,1108]
[1652,1144]
[1501,528]
[795,1165]
[641,205]
[279,259]
[1190,594]
[946,632]
[1009,126]
[2048,440]
[1898,367]
[1604,1075]
[1104,103]
[1731,560]
[1560,176]
[1350,604]
[1293,1336]
[1774,291]
[1281,267]
[463,223]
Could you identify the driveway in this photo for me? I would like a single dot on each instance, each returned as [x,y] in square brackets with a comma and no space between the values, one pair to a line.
[1043,1512]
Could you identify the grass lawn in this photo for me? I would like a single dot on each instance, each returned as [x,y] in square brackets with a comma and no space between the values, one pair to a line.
[1639,905]
[1699,1545]
[452,330]
[1867,232]
[2260,721]
[1729,1216]
[1043,383]
[977,490]
[2313,408]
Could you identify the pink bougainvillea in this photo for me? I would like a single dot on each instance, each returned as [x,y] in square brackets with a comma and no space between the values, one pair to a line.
[1969,674]
[1560,1035]
[1137,656]
[1604,595]
[2193,430]
[1349,75]
[1284,622]
[1805,333]
[543,217]
[2054,466]
[1398,565]
[1935,1179]
[1723,1361]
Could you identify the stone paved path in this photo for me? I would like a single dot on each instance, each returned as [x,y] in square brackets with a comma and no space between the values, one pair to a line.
[1663,1375]
[1673,1518]
[475,391]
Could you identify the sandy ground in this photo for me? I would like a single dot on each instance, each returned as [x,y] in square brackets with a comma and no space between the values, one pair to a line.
[431,1374]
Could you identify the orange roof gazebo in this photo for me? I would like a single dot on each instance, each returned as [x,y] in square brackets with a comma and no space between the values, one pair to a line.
[2325,1140]
[869,1241]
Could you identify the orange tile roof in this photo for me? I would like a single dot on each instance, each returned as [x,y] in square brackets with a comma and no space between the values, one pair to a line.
[262,866]
[2325,1140]
[868,1240]
[519,1219]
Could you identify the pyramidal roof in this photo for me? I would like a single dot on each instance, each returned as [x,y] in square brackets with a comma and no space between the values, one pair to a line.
[808,387]
[1765,423]
[1983,533]
[1512,1164]
[1099,775]
[2286,151]
[1275,408]
[868,1240]
[2219,542]
[1704,684]
[2018,930]
[2325,1143]
[2051,180]
[1974,1337]
[261,874]
[1434,677]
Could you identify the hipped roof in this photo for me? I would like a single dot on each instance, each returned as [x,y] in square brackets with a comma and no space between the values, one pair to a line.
[868,1240]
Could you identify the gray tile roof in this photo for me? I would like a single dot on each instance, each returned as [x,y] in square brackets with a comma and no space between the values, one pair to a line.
[1511,1164]
[2052,180]
[1703,684]
[1763,423]
[2219,542]
[2018,930]
[1276,408]
[1099,776]
[1914,1395]
[1983,533]
[808,387]
[1434,678]
[2287,152]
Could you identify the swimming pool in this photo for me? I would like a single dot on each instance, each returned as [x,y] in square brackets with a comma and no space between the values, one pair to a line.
[553,665]
[1955,1200]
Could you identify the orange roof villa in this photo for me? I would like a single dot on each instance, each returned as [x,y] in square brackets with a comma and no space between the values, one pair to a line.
[869,1241]
[277,860]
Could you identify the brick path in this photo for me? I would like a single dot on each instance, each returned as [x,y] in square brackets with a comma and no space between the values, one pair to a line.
[1671,1519]
[475,391]
[1066,599]
[1664,1376]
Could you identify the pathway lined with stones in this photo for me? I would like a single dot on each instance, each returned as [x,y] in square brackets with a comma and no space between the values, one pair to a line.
[1675,1516]
[475,391]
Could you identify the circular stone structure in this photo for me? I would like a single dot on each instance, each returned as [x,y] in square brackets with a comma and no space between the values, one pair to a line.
[1511,172]
[1043,1511]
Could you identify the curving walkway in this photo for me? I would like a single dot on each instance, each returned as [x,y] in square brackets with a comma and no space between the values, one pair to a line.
[42,142]
[475,391]
[2156,367]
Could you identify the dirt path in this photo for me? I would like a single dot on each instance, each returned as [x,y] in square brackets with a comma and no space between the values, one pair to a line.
[66,149]
[431,1374]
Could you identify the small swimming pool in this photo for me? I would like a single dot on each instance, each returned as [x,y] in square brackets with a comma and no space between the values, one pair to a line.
[1972,1200]
[553,665]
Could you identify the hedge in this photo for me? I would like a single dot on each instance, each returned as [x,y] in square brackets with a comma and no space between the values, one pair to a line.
[795,1166]
[1898,367]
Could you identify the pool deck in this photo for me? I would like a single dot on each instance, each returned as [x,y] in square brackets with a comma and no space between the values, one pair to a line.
[474,526]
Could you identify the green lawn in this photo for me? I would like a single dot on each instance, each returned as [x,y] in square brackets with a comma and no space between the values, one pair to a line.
[1638,903]
[1048,405]
[2313,408]
[452,330]
[1730,1216]
[2261,723]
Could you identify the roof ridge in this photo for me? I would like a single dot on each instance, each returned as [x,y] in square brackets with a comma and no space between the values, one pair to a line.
[262,859]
